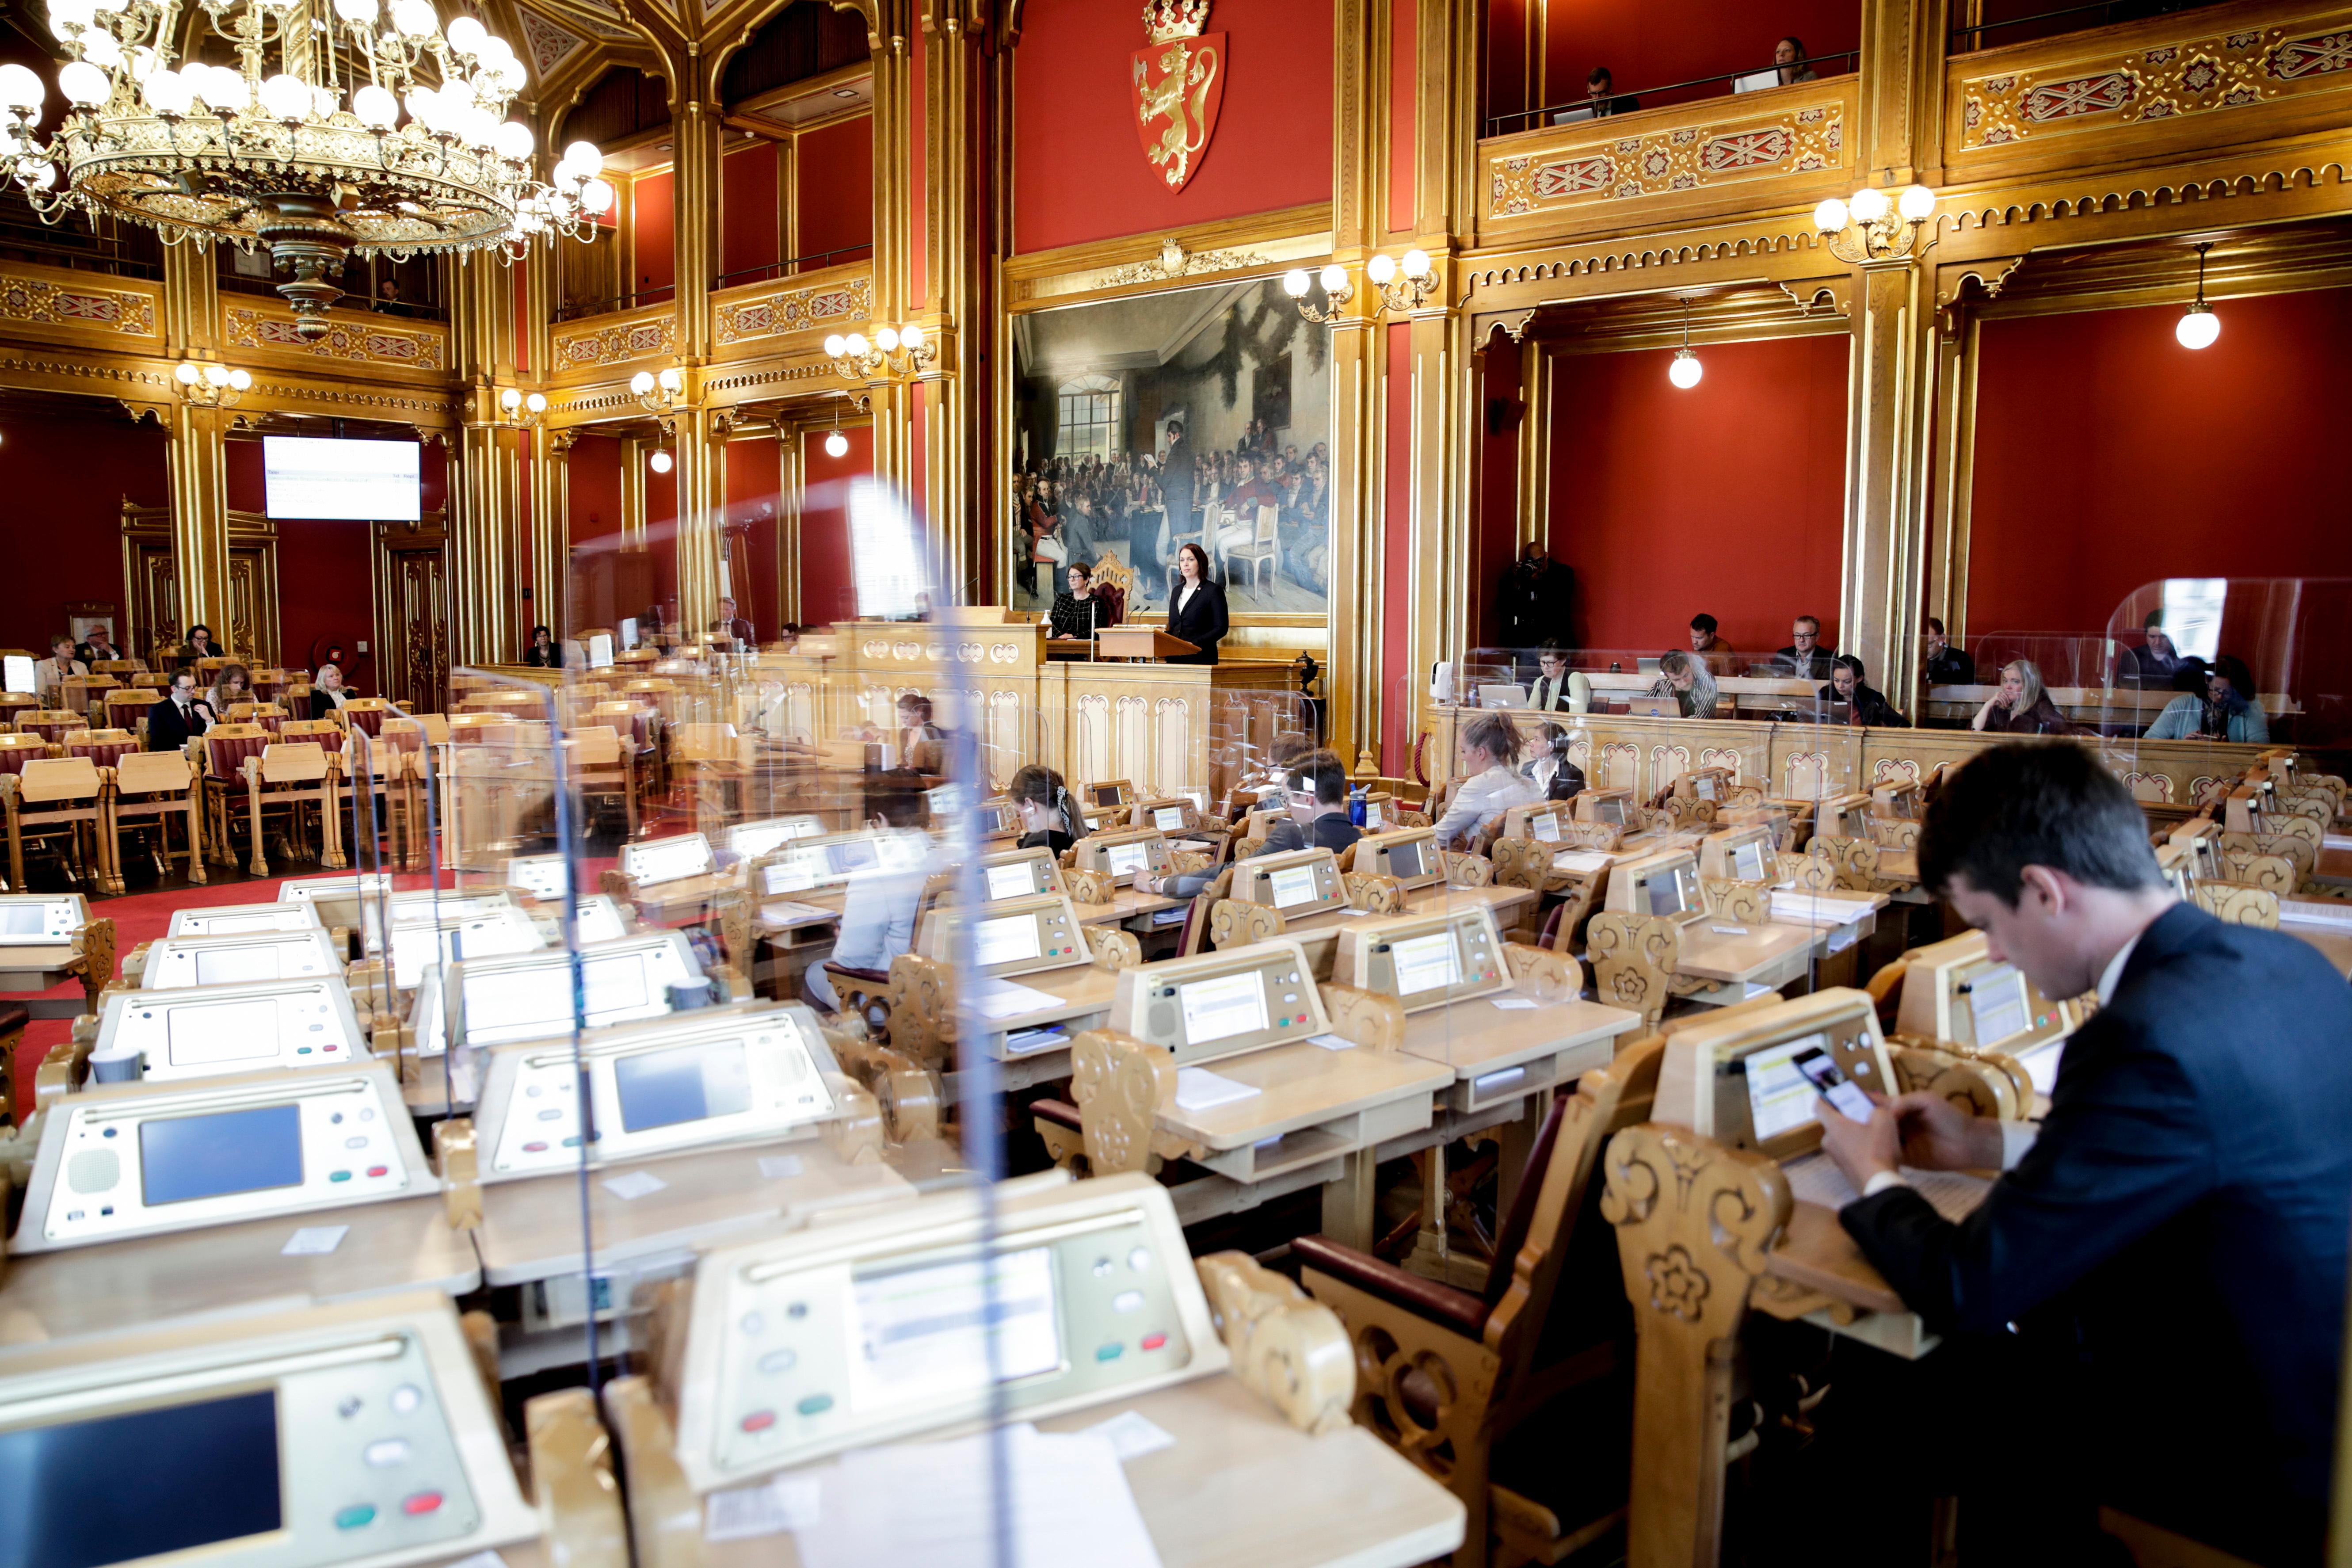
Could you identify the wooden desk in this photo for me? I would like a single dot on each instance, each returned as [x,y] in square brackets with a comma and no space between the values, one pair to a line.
[1140,642]
[1125,906]
[1314,1107]
[2325,924]
[1555,1041]
[1240,1485]
[1767,954]
[404,1244]
[1082,996]
[530,1228]
[35,969]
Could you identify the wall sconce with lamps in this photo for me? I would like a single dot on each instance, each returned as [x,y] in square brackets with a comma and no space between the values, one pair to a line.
[210,386]
[522,411]
[894,353]
[1403,285]
[658,395]
[1872,225]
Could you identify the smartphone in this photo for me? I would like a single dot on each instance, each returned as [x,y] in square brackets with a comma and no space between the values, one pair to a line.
[1821,1070]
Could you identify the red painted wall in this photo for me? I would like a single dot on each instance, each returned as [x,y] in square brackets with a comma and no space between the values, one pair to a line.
[65,480]
[653,201]
[1498,413]
[753,485]
[828,584]
[1079,172]
[1729,498]
[661,536]
[833,191]
[595,500]
[2108,456]
[1399,679]
[1648,46]
[325,565]
[749,236]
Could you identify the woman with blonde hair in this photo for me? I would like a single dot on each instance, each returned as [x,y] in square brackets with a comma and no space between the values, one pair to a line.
[2021,706]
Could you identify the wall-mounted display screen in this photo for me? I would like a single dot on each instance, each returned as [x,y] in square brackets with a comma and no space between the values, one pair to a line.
[365,481]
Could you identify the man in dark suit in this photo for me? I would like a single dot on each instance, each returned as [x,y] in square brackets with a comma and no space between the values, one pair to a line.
[1176,485]
[1946,665]
[1805,659]
[2170,1249]
[178,715]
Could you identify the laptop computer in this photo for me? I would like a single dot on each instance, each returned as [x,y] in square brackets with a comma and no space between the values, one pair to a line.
[1499,695]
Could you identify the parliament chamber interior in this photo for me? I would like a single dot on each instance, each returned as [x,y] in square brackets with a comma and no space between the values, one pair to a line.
[1631,849]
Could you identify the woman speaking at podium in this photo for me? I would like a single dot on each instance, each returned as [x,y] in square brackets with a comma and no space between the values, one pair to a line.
[1197,613]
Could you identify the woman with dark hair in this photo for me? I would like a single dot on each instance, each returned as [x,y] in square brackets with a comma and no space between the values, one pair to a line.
[199,644]
[1049,817]
[543,653]
[2226,711]
[1788,54]
[232,685]
[1197,610]
[1549,767]
[1081,611]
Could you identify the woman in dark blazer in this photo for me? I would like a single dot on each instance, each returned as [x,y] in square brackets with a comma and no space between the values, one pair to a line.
[1196,611]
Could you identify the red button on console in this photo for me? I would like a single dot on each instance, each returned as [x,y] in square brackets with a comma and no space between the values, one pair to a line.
[759,1421]
[1154,1342]
[420,1502]
[378,1170]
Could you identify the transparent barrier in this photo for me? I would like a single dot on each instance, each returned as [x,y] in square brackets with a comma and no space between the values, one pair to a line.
[1675,683]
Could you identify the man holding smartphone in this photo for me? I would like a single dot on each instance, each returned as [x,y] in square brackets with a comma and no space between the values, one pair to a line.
[2147,1311]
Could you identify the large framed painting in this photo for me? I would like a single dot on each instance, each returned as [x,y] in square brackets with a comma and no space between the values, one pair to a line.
[1199,415]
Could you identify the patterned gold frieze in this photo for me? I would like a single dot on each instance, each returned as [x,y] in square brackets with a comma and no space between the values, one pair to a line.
[351,337]
[2044,91]
[771,312]
[1692,149]
[609,341]
[51,302]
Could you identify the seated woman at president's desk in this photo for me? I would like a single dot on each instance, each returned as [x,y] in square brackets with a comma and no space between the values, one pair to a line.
[1080,611]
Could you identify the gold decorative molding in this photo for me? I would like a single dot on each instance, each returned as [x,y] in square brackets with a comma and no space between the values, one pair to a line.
[2145,74]
[351,336]
[32,298]
[1691,149]
[1174,262]
[608,340]
[772,312]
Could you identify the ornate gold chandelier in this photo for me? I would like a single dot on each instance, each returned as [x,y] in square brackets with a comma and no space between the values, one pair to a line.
[312,160]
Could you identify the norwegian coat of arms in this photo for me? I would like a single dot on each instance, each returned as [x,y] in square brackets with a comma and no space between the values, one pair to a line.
[1180,84]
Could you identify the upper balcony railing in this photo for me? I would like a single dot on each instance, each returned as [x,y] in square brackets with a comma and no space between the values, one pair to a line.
[1618,101]
[1981,26]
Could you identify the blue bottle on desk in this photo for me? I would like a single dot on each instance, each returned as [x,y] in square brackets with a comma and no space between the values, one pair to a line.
[1356,805]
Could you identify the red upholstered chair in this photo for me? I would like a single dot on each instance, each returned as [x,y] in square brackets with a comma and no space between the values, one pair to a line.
[367,714]
[127,710]
[269,715]
[15,705]
[51,724]
[15,751]
[268,685]
[226,749]
[104,748]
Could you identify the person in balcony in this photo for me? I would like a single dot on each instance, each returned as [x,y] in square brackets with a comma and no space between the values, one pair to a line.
[1788,57]
[1600,101]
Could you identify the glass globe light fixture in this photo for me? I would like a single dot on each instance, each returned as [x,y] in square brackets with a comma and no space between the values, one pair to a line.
[1686,370]
[659,462]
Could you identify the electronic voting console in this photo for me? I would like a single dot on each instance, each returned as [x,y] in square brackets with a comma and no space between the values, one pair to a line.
[117,1160]
[222,919]
[1015,936]
[1409,855]
[650,862]
[1425,960]
[1111,793]
[500,928]
[1739,854]
[1751,1078]
[694,1080]
[1956,991]
[1610,807]
[876,1327]
[204,1033]
[528,996]
[41,919]
[176,963]
[749,840]
[1019,874]
[1296,883]
[339,897]
[1121,853]
[1222,1003]
[805,865]
[308,1436]
[1176,814]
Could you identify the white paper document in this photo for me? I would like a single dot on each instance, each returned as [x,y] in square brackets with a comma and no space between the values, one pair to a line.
[1065,1503]
[776,1505]
[1801,906]
[1003,999]
[776,1167]
[1022,1042]
[1132,1435]
[790,912]
[632,1185]
[1331,1042]
[1198,1089]
[1516,1003]
[1582,862]
[314,1238]
[1815,1179]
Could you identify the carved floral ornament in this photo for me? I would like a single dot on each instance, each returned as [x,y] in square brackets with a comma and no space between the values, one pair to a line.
[1586,167]
[2196,75]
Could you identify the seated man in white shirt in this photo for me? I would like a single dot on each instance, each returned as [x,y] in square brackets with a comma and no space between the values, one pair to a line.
[1491,785]
[878,911]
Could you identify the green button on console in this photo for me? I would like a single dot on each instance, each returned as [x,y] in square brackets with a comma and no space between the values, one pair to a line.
[1110,1351]
[358,1514]
[815,1405]
[339,1176]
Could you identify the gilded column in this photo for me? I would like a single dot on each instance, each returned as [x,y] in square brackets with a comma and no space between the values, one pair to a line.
[550,527]
[700,445]
[199,451]
[893,48]
[957,457]
[1357,575]
[487,618]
